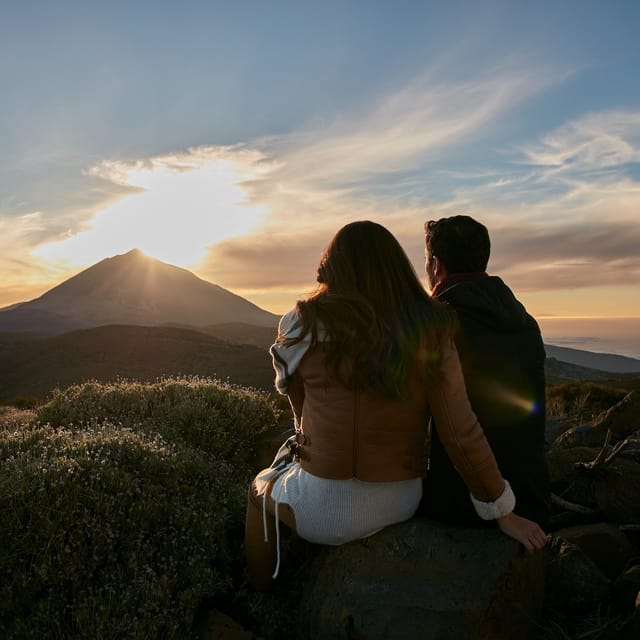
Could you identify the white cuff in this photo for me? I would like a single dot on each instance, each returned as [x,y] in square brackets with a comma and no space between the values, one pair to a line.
[503,506]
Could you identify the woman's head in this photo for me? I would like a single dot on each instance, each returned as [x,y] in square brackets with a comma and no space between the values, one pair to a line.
[373,309]
[365,260]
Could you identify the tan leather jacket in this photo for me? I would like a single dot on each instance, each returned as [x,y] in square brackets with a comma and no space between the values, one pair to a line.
[346,434]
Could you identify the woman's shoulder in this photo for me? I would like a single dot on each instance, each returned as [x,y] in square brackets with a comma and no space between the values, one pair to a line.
[290,324]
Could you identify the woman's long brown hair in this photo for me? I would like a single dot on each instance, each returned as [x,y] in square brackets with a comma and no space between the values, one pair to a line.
[379,320]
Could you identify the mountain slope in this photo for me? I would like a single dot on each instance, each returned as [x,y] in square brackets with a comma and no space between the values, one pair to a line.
[34,365]
[602,361]
[132,289]
[37,365]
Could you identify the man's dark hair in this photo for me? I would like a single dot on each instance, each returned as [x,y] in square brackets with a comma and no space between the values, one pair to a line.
[461,243]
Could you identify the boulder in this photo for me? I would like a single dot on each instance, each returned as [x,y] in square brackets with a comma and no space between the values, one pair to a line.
[626,589]
[584,435]
[604,543]
[617,491]
[622,419]
[566,479]
[421,575]
[573,580]
[216,625]
[631,630]
[553,429]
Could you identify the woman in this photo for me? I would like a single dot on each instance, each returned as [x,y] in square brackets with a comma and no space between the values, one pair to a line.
[366,361]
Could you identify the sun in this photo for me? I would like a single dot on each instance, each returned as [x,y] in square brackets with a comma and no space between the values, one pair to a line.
[178,210]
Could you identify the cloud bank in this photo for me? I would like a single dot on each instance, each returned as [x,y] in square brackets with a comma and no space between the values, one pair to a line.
[561,208]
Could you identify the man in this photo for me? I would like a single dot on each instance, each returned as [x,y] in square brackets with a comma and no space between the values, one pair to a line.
[502,358]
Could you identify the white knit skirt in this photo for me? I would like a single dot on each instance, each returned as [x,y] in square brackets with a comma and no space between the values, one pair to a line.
[338,511]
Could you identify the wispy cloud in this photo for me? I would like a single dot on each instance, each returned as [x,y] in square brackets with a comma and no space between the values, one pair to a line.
[321,178]
[23,276]
[595,142]
[562,213]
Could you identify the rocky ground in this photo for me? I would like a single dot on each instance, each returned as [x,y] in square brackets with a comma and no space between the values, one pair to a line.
[592,586]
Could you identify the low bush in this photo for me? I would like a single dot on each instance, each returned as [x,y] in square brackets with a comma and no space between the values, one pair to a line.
[109,533]
[580,402]
[217,417]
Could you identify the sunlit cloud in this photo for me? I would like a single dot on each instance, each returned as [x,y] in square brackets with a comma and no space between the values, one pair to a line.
[326,176]
[562,209]
[177,205]
[412,128]
[23,276]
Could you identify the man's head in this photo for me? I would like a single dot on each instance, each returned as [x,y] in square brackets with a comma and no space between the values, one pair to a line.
[458,244]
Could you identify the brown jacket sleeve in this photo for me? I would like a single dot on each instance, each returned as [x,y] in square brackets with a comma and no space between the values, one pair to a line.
[295,393]
[460,432]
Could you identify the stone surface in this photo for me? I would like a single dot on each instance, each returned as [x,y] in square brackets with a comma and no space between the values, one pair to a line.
[573,580]
[566,480]
[468,584]
[603,543]
[584,435]
[216,625]
[631,630]
[626,589]
[623,418]
[617,491]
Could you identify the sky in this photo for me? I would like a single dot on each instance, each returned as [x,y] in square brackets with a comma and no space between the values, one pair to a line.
[235,138]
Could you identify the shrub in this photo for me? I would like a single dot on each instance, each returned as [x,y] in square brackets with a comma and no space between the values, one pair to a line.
[217,417]
[11,417]
[110,533]
[24,402]
[580,401]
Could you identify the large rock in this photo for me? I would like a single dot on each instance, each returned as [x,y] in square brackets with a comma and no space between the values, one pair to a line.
[574,581]
[617,491]
[604,544]
[423,579]
[623,418]
[569,481]
[584,435]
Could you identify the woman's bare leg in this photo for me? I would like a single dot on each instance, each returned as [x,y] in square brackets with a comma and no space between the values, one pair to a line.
[261,554]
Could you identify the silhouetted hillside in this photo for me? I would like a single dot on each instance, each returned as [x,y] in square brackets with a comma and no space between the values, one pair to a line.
[132,289]
[35,366]
[601,361]
[241,333]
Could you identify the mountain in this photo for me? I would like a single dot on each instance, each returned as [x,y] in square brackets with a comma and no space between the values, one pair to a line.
[132,289]
[601,361]
[35,365]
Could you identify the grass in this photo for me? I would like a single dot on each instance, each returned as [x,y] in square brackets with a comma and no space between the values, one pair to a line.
[580,402]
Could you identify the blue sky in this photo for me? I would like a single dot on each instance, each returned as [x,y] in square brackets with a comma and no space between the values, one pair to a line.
[235,138]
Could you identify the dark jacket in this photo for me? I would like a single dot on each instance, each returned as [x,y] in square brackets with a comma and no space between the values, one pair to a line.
[502,356]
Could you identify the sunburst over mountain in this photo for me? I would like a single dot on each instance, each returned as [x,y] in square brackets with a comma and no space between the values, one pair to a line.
[133,289]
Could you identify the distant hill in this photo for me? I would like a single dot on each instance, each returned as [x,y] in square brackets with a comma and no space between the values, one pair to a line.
[558,372]
[36,365]
[241,333]
[601,361]
[132,289]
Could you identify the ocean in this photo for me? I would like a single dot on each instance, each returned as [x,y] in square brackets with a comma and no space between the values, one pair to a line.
[620,336]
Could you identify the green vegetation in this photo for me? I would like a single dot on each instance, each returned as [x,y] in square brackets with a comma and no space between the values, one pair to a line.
[216,417]
[580,402]
[122,507]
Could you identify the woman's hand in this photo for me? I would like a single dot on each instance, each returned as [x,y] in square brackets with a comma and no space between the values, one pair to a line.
[525,531]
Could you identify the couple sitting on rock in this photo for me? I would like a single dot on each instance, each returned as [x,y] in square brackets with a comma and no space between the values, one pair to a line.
[385,426]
